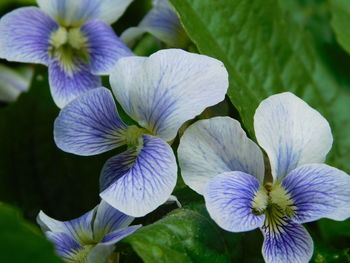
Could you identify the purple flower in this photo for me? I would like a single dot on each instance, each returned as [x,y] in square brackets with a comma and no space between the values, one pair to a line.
[163,23]
[89,238]
[72,37]
[218,161]
[160,93]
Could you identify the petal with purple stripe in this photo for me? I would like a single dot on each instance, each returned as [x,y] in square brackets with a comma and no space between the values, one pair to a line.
[118,235]
[229,199]
[288,242]
[67,85]
[168,88]
[103,46]
[77,12]
[211,147]
[108,219]
[291,132]
[65,246]
[318,191]
[90,124]
[143,184]
[163,23]
[25,35]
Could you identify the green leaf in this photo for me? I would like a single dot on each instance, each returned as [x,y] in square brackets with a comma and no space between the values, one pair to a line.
[22,242]
[267,53]
[183,236]
[341,22]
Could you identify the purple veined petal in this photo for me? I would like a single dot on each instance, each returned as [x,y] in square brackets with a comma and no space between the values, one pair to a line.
[211,147]
[65,246]
[163,23]
[90,124]
[318,191]
[25,35]
[143,184]
[108,220]
[229,199]
[77,12]
[118,235]
[66,86]
[103,46]
[291,132]
[290,243]
[79,229]
[168,88]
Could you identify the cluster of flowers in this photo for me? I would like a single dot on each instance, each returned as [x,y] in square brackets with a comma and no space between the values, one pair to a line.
[160,93]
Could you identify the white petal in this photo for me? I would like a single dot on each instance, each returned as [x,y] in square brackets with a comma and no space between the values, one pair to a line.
[77,12]
[210,147]
[168,88]
[291,132]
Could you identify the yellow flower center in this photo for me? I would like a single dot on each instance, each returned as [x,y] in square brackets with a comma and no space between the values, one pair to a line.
[68,45]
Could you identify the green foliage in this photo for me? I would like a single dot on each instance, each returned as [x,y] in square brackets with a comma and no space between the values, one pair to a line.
[341,22]
[265,53]
[21,242]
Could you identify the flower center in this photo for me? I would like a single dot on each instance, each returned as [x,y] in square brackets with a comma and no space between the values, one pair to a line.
[68,45]
[133,136]
[274,202]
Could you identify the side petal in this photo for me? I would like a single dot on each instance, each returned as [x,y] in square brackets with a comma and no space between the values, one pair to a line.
[90,124]
[103,46]
[108,219]
[291,132]
[288,243]
[118,235]
[145,184]
[77,12]
[163,23]
[66,86]
[168,88]
[210,147]
[229,198]
[65,246]
[318,191]
[79,229]
[25,35]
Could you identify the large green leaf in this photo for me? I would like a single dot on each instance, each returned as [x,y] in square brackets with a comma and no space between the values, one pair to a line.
[184,236]
[266,53]
[21,242]
[341,22]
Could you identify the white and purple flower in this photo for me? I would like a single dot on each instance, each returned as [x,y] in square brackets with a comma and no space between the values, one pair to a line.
[163,23]
[218,161]
[90,238]
[72,37]
[160,93]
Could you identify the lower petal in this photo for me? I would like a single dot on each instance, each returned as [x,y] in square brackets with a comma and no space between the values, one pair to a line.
[25,35]
[65,246]
[66,86]
[288,242]
[318,191]
[229,197]
[141,179]
[103,46]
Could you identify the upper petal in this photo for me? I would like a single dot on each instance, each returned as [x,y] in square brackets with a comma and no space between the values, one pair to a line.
[103,46]
[291,132]
[168,88]
[229,198]
[163,23]
[210,147]
[287,243]
[65,86]
[108,220]
[90,124]
[318,191]
[77,12]
[25,35]
[78,229]
[141,179]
